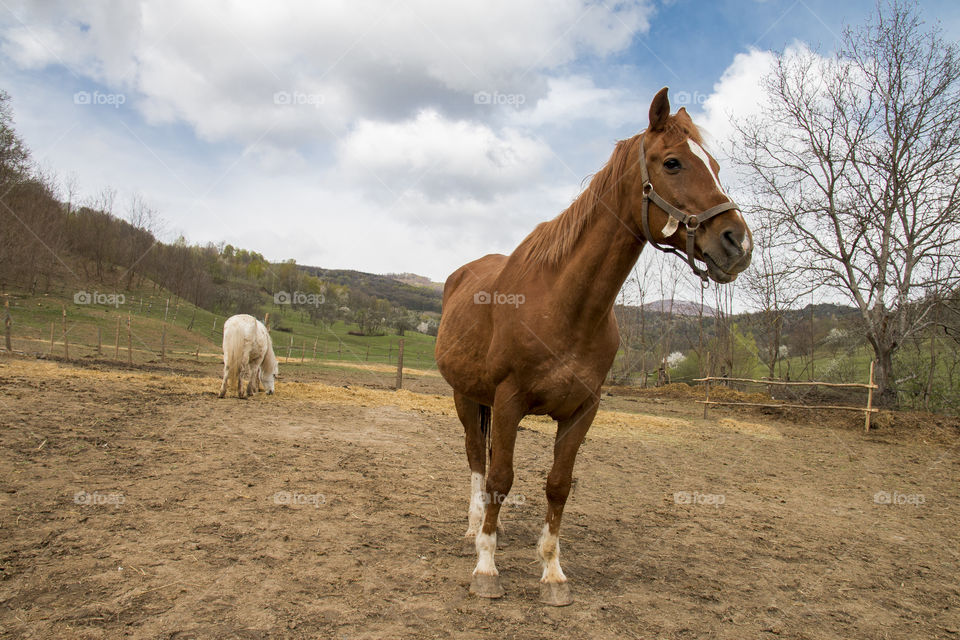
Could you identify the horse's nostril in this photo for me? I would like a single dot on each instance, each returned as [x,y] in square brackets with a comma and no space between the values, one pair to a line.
[731,243]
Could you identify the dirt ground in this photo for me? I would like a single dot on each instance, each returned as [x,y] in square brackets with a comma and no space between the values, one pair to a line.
[135,503]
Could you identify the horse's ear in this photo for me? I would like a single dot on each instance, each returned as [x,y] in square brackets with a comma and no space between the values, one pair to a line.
[659,110]
[683,116]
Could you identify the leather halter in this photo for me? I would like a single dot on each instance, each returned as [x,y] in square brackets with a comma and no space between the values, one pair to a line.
[691,222]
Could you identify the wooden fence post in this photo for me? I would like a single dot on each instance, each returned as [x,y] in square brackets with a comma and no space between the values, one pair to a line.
[315,347]
[163,343]
[51,338]
[367,357]
[303,350]
[213,332]
[99,341]
[707,399]
[66,346]
[400,365]
[266,320]
[198,352]
[116,350]
[129,340]
[7,323]
[866,424]
[289,348]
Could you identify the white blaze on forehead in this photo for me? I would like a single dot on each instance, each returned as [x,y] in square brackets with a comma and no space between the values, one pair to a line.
[700,153]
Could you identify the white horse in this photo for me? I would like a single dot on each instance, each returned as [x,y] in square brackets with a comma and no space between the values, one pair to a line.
[247,355]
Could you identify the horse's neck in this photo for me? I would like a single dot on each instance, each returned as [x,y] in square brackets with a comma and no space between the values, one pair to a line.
[594,272]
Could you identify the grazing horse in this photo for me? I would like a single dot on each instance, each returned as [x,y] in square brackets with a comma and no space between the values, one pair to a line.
[247,355]
[535,333]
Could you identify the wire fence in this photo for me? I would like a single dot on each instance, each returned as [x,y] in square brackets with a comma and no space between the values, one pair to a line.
[140,339]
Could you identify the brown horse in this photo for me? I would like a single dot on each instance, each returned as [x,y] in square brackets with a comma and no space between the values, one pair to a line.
[535,332]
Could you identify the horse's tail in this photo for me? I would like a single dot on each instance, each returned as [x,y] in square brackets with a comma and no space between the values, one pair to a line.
[485,419]
[233,351]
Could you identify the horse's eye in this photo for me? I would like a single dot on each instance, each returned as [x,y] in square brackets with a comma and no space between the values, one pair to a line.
[671,164]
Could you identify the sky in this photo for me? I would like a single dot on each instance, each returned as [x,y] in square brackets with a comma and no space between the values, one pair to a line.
[394,136]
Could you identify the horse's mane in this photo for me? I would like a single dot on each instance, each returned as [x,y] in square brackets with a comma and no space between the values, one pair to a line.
[551,241]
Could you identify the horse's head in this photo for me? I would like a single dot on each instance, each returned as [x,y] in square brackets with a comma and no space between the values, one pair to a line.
[268,374]
[678,199]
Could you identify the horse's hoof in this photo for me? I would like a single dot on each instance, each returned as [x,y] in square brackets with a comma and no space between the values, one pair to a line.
[469,546]
[486,586]
[555,594]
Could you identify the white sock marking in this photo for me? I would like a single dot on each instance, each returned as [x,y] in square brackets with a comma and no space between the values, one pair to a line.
[486,546]
[475,514]
[548,552]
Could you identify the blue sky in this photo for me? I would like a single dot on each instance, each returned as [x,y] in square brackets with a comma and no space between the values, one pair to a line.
[353,137]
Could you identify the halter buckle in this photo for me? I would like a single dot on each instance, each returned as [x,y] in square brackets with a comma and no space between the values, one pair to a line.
[692,223]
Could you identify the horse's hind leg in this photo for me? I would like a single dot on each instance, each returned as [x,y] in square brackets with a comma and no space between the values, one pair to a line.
[570,433]
[474,426]
[226,376]
[507,412]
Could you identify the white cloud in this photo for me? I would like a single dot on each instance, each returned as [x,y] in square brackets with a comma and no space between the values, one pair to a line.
[441,157]
[571,99]
[739,93]
[217,67]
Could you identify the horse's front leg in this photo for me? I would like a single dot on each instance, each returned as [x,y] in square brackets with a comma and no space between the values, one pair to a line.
[254,386]
[554,589]
[508,409]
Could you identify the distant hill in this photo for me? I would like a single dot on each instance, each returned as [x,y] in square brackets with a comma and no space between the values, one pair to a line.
[410,296]
[679,307]
[416,280]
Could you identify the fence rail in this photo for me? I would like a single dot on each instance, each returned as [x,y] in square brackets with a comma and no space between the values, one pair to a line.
[867,411]
[163,340]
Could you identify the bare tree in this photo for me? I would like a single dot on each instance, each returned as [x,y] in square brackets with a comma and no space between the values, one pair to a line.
[771,287]
[144,225]
[856,158]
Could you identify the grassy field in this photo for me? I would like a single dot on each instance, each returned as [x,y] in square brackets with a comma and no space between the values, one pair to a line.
[189,331]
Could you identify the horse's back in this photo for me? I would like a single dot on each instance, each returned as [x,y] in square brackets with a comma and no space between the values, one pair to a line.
[242,334]
[472,277]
